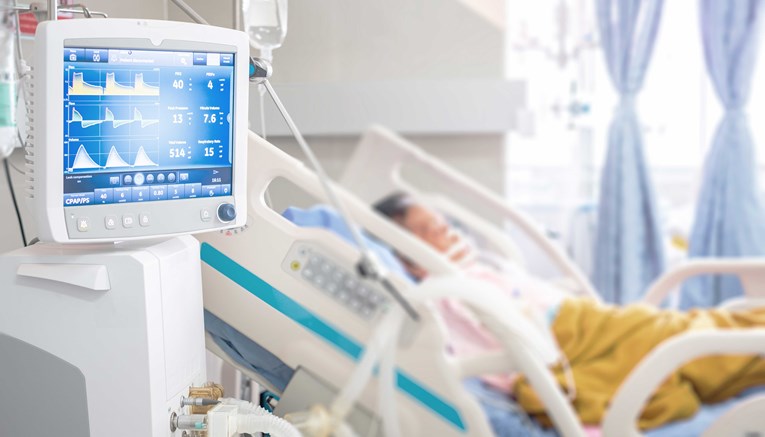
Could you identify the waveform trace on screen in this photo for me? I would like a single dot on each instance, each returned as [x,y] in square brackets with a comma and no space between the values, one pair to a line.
[83,160]
[111,88]
[109,116]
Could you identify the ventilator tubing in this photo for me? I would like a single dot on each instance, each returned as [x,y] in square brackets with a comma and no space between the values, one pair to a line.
[254,419]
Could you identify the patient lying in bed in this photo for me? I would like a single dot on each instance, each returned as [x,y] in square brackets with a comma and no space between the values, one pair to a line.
[602,343]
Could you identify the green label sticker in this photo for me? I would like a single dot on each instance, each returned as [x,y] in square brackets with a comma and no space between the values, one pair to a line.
[7,104]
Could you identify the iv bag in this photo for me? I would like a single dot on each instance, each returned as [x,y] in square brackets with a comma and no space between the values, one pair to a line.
[266,23]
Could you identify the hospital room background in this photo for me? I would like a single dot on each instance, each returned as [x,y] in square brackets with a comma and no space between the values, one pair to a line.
[517,95]
[514,94]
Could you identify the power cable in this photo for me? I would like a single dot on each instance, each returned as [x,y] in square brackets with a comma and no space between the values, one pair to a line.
[15,203]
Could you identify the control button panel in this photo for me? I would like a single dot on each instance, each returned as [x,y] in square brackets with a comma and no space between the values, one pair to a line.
[139,187]
[133,220]
[340,282]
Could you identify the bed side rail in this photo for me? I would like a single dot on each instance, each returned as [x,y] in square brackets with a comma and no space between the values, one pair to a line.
[751,272]
[626,406]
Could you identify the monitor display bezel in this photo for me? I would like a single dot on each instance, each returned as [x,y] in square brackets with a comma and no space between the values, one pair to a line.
[54,221]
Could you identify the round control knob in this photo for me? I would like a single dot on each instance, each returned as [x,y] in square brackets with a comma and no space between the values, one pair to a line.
[138,179]
[226,212]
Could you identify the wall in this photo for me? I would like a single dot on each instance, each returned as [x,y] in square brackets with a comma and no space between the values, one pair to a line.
[339,42]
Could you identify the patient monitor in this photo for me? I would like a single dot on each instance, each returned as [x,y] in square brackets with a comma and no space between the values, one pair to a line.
[135,129]
[140,132]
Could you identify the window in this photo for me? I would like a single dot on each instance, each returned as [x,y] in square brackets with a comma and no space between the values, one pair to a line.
[558,166]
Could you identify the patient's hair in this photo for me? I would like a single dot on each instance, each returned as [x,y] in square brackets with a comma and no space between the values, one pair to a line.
[395,206]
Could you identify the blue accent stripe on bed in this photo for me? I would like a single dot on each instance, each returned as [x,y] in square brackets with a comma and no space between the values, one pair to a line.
[298,313]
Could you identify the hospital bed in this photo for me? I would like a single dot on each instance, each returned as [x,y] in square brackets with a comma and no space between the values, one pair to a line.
[378,168]
[380,165]
[255,283]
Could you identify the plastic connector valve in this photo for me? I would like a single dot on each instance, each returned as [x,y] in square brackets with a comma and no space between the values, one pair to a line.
[222,421]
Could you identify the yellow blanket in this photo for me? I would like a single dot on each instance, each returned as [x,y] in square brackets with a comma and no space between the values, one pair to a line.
[603,343]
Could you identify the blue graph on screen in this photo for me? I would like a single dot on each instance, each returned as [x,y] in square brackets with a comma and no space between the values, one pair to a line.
[128,117]
[113,119]
[141,118]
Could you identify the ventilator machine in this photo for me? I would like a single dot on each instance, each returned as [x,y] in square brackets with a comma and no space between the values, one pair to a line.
[139,140]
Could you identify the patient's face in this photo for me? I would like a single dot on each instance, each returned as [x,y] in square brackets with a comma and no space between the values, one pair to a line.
[433,229]
[429,226]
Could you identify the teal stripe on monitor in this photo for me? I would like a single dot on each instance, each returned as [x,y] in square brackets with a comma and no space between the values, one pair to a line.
[292,309]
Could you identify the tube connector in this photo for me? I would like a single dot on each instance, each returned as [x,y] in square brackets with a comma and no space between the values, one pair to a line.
[260,70]
[222,420]
[198,402]
[189,421]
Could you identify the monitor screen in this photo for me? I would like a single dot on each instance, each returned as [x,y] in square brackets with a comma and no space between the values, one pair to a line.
[146,125]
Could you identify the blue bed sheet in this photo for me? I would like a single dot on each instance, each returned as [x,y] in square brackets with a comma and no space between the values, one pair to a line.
[247,353]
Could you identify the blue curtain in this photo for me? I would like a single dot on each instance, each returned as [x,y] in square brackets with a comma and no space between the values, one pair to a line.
[729,217]
[628,250]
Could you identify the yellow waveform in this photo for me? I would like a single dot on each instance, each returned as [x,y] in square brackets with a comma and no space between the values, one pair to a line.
[113,88]
[81,88]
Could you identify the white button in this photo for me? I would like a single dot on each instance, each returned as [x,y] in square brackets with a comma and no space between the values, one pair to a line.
[205,215]
[83,224]
[138,179]
[128,221]
[110,222]
[144,219]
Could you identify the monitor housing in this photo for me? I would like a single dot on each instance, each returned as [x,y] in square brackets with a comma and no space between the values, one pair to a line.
[140,129]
